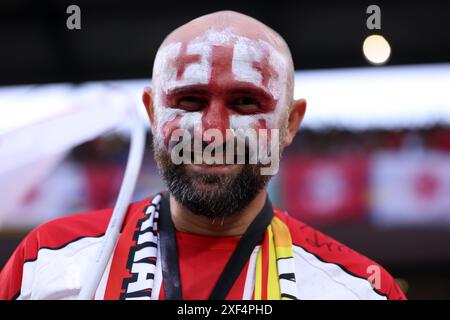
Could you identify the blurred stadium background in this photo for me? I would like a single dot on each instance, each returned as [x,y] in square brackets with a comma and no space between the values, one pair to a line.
[370,166]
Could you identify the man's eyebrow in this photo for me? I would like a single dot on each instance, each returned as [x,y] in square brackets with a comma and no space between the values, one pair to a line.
[188,90]
[251,92]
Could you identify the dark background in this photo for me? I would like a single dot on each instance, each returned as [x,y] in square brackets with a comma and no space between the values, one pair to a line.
[119,39]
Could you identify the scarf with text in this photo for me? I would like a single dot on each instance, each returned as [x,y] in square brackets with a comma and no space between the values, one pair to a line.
[135,269]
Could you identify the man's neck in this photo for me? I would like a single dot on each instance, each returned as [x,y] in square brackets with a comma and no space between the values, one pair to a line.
[235,225]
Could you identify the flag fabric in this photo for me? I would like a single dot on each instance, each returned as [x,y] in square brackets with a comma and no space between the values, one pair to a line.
[35,136]
[325,188]
[410,188]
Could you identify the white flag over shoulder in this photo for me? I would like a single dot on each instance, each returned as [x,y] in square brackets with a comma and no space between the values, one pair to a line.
[410,187]
[39,125]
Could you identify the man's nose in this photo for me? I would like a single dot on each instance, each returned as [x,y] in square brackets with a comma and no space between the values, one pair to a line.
[216,116]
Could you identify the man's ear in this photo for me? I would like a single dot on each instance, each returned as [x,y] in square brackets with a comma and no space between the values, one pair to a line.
[296,115]
[148,103]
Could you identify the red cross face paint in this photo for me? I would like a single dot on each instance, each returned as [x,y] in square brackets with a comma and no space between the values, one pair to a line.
[219,80]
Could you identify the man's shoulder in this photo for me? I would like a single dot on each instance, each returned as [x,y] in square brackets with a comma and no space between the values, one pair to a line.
[338,260]
[321,245]
[62,247]
[61,232]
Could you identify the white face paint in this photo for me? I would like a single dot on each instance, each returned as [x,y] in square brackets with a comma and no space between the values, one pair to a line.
[250,63]
[245,54]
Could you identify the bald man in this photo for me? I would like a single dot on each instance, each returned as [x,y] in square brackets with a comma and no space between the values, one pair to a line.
[221,109]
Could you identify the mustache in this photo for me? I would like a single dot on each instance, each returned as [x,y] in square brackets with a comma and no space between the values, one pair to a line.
[231,151]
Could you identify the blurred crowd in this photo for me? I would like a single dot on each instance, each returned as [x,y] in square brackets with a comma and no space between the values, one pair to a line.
[327,177]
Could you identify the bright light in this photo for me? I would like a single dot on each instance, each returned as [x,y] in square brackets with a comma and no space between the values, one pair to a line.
[376,49]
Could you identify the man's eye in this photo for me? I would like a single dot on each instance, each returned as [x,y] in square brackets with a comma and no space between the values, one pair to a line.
[191,103]
[246,105]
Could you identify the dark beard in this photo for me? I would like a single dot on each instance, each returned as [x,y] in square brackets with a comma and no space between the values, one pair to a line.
[224,195]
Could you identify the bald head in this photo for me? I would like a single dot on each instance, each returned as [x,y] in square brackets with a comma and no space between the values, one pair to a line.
[221,71]
[219,79]
[240,25]
[222,92]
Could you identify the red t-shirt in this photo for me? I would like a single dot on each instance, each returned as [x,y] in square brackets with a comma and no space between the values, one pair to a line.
[202,260]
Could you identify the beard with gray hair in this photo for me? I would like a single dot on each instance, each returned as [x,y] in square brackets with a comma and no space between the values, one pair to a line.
[210,195]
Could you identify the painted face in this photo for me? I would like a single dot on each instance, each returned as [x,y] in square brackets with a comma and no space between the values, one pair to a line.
[218,80]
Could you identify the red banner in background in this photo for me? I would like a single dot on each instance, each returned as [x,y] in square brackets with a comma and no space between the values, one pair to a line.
[321,189]
[103,181]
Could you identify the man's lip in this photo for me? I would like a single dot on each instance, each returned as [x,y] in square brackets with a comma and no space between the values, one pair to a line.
[211,169]
[221,157]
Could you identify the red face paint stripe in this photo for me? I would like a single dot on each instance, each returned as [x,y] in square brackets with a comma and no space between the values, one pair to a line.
[221,64]
[217,114]
[169,127]
[183,60]
[265,69]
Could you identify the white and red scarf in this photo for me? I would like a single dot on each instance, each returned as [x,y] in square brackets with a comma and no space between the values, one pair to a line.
[135,268]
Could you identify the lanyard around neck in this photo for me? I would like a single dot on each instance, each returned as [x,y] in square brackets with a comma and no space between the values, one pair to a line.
[169,252]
